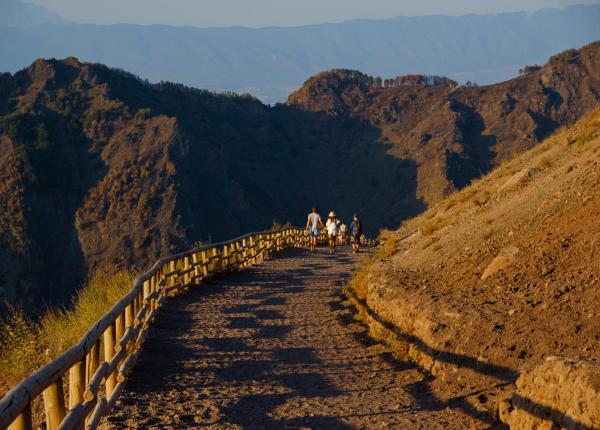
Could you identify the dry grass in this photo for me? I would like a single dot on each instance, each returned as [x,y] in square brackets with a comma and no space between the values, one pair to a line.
[359,283]
[426,244]
[481,199]
[449,204]
[25,345]
[544,163]
[428,228]
[388,248]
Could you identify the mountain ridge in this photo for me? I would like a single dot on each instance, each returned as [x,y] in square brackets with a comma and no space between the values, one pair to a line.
[470,127]
[16,13]
[271,62]
[102,169]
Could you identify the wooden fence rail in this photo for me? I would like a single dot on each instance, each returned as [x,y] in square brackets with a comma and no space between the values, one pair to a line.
[82,385]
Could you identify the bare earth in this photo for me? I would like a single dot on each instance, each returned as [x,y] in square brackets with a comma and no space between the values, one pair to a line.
[274,347]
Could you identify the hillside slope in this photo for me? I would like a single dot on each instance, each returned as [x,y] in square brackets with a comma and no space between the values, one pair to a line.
[101,168]
[456,133]
[270,62]
[502,275]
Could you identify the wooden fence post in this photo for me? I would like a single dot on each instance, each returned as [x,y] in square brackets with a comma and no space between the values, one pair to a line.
[76,384]
[155,285]
[109,352]
[92,361]
[251,251]
[146,289]
[173,280]
[225,259]
[196,271]
[238,255]
[204,255]
[54,404]
[186,267]
[119,326]
[244,252]
[218,260]
[129,315]
[23,421]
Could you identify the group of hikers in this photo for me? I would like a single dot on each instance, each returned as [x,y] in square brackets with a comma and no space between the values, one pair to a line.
[336,230]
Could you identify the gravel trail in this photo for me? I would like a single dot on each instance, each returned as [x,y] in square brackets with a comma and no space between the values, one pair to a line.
[274,347]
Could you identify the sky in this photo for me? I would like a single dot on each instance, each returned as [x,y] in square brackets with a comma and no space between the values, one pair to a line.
[260,13]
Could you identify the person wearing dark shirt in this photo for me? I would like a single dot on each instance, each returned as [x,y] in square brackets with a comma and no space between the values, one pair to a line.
[356,230]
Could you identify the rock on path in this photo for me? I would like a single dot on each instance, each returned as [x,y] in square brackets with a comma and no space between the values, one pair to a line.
[273,347]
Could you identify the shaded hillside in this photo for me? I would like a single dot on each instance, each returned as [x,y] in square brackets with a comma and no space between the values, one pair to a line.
[102,169]
[270,62]
[502,276]
[456,133]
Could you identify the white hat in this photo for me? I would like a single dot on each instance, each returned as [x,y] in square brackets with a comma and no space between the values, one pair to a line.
[332,214]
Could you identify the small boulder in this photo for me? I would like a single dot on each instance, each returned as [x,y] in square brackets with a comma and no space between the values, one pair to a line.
[518,178]
[506,257]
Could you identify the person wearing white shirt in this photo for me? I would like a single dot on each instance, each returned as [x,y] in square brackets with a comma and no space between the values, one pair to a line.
[342,236]
[332,226]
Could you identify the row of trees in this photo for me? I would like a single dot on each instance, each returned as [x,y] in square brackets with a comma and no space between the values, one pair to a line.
[354,76]
[409,80]
[530,68]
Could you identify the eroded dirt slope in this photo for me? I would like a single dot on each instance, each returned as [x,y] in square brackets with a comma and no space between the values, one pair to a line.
[504,274]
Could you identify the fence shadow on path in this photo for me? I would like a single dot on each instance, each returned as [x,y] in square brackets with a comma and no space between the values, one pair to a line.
[254,369]
[421,391]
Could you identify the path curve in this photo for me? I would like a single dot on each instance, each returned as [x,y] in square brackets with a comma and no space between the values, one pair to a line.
[273,347]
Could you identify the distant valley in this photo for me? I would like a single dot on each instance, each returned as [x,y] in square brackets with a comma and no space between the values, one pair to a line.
[271,62]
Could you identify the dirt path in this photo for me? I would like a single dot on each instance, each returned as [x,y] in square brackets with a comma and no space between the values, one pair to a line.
[274,348]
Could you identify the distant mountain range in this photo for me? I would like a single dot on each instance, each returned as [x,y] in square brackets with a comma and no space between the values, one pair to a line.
[14,13]
[272,62]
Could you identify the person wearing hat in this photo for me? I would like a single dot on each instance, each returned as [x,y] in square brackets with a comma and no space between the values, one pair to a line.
[356,230]
[332,226]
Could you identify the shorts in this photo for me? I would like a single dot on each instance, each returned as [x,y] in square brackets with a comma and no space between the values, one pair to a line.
[313,232]
[356,239]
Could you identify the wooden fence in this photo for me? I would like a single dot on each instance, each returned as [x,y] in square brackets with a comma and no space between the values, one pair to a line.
[82,385]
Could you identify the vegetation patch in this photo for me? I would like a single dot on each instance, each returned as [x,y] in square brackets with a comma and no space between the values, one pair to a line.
[564,57]
[545,163]
[26,345]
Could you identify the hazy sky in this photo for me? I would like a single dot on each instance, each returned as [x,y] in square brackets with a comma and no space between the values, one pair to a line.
[257,13]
